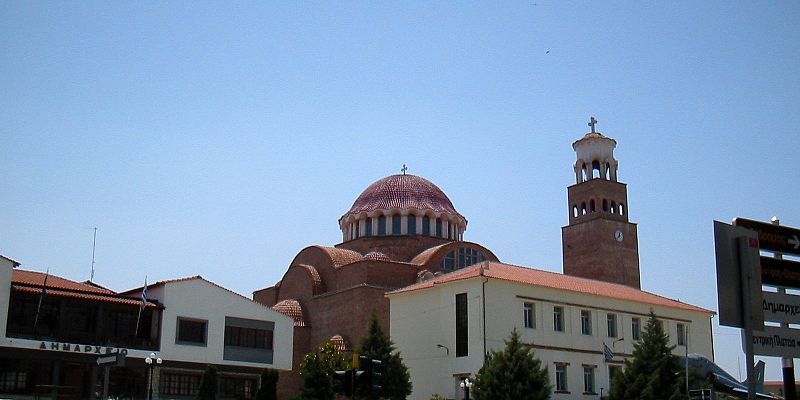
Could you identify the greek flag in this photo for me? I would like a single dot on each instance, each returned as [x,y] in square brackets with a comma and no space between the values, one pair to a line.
[607,353]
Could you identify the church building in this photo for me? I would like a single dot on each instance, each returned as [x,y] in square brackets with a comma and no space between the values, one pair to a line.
[446,301]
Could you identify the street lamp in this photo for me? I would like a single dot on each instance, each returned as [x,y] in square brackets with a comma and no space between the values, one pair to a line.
[466,384]
[151,361]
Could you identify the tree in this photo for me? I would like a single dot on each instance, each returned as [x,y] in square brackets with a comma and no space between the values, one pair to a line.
[395,382]
[268,389]
[514,373]
[653,373]
[208,384]
[318,370]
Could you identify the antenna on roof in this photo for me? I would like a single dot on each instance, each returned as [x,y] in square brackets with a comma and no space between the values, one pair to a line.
[94,245]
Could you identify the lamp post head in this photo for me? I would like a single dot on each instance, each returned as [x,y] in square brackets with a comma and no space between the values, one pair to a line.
[158,360]
[148,360]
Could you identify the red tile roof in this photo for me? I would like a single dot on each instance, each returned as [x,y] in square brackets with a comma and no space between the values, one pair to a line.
[186,278]
[341,343]
[404,192]
[291,308]
[422,258]
[340,257]
[53,281]
[32,282]
[537,277]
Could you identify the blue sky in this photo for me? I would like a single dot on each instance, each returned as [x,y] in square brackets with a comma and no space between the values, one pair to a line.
[220,139]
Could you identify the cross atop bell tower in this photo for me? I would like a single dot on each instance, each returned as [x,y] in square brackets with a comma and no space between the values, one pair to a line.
[599,242]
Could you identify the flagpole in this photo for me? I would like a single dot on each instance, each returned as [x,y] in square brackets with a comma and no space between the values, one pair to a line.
[141,306]
[41,297]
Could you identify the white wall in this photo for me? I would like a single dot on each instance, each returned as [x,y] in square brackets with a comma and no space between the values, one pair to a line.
[424,318]
[6,267]
[199,299]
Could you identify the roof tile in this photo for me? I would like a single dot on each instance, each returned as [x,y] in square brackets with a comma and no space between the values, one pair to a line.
[537,277]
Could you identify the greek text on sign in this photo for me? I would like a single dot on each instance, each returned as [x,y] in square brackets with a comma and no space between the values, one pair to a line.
[781,307]
[776,342]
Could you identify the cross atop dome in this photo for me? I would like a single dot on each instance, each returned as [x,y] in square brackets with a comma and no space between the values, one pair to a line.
[404,169]
[592,123]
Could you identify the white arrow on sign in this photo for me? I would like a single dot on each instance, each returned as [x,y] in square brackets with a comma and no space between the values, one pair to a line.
[795,241]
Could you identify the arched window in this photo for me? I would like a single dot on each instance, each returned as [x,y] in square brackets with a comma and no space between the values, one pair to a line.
[574,211]
[412,224]
[426,226]
[608,171]
[621,209]
[396,224]
[591,205]
[368,227]
[438,227]
[583,208]
[595,169]
[357,231]
[605,205]
[613,207]
[381,225]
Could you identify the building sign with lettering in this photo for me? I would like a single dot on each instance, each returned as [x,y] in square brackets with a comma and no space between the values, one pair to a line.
[80,348]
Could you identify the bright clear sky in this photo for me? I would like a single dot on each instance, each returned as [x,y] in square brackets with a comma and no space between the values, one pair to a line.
[221,138]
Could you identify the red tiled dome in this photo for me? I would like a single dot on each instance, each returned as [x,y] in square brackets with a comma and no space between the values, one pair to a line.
[292,308]
[377,255]
[403,191]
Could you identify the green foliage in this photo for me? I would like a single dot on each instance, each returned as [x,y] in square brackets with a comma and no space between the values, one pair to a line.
[653,373]
[268,389]
[514,373]
[317,370]
[396,381]
[208,384]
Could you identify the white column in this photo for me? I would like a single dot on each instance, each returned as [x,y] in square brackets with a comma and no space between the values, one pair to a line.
[404,224]
[445,226]
[419,225]
[362,227]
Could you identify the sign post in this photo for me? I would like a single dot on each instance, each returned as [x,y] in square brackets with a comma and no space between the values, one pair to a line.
[779,272]
[107,361]
[739,287]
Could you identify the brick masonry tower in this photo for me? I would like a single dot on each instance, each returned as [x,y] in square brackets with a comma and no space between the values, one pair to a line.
[599,242]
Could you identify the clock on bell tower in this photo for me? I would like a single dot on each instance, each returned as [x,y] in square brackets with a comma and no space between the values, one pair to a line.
[599,242]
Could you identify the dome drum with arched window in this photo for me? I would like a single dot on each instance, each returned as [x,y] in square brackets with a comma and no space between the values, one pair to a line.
[402,205]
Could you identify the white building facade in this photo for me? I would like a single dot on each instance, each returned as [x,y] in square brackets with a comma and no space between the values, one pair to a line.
[443,326]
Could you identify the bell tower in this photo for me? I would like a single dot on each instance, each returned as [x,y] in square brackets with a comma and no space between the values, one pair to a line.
[599,242]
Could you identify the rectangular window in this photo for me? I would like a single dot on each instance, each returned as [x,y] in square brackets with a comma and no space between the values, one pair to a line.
[412,224]
[681,335]
[612,372]
[612,325]
[588,379]
[558,319]
[426,226]
[561,378]
[248,337]
[175,384]
[13,381]
[237,388]
[381,225]
[396,224]
[528,315]
[368,227]
[586,322]
[636,328]
[438,227]
[462,325]
[191,331]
